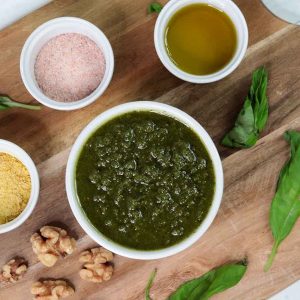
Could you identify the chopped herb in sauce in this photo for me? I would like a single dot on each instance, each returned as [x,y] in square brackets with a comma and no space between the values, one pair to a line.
[145,180]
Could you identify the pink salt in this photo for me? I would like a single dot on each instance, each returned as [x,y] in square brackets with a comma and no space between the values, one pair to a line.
[69,67]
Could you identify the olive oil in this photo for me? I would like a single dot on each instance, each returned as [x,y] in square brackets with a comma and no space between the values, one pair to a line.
[200,39]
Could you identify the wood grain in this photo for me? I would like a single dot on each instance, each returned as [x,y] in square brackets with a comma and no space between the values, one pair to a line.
[241,227]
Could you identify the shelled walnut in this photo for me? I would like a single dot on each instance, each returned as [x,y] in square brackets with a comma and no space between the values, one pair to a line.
[96,266]
[51,290]
[51,243]
[13,270]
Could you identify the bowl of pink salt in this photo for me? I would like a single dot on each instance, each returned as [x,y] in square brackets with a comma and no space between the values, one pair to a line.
[67,63]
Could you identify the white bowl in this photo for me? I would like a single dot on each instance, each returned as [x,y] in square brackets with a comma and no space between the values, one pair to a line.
[19,153]
[288,11]
[42,35]
[71,170]
[226,6]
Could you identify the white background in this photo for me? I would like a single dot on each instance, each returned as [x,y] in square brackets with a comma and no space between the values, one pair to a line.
[288,10]
[12,10]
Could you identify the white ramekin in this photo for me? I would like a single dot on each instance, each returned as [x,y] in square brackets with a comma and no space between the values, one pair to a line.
[19,153]
[230,9]
[42,35]
[71,170]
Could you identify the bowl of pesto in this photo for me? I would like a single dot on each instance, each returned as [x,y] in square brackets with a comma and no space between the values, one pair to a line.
[144,180]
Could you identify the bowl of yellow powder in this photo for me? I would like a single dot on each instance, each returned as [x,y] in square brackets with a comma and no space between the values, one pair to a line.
[19,186]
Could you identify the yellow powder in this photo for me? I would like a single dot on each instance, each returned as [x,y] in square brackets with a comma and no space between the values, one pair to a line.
[15,187]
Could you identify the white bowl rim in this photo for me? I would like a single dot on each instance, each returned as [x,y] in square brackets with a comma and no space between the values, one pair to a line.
[287,13]
[20,154]
[168,10]
[39,95]
[96,235]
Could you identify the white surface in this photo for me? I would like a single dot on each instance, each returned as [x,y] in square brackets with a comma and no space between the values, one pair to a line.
[43,34]
[290,293]
[71,171]
[13,10]
[288,10]
[225,5]
[19,153]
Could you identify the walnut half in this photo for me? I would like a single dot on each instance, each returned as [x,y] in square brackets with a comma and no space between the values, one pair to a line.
[96,266]
[51,290]
[51,243]
[13,270]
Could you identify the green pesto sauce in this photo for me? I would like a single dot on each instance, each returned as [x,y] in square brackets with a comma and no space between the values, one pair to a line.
[145,180]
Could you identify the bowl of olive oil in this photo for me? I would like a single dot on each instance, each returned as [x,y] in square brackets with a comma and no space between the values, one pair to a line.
[201,41]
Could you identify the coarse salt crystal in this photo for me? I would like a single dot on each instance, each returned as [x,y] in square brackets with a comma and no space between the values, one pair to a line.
[69,67]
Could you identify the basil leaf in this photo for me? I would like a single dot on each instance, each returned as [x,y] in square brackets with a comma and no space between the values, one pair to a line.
[154,7]
[198,285]
[225,277]
[211,283]
[258,96]
[6,103]
[149,284]
[253,117]
[285,207]
[242,135]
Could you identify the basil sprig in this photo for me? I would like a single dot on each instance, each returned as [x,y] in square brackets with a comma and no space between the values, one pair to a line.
[154,7]
[6,103]
[253,116]
[285,207]
[149,285]
[209,284]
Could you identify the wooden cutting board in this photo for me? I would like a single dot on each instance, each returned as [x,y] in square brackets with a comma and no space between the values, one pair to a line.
[241,227]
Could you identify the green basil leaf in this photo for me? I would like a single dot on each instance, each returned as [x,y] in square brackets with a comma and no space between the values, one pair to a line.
[155,7]
[149,284]
[225,277]
[6,103]
[198,285]
[254,115]
[258,96]
[285,207]
[242,134]
[211,283]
